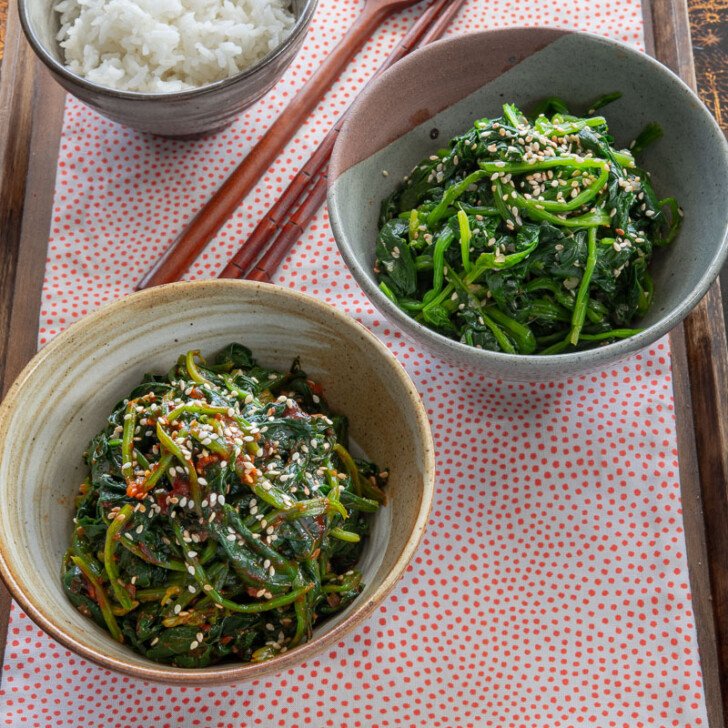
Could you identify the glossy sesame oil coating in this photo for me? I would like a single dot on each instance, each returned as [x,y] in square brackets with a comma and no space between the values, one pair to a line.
[527,234]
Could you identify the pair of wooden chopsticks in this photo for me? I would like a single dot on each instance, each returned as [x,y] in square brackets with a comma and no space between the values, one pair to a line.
[306,193]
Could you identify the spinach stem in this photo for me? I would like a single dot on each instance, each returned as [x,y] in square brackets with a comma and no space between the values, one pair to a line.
[100,597]
[577,320]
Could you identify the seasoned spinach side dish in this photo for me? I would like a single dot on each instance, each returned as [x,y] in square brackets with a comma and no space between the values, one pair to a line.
[526,235]
[223,515]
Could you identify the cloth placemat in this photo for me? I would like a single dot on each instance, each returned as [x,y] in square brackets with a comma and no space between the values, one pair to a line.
[551,587]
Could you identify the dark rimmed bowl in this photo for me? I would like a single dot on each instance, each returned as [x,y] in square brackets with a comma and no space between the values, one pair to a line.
[191,113]
[62,399]
[442,89]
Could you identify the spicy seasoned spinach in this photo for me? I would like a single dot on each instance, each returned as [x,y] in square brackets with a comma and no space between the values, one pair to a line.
[222,516]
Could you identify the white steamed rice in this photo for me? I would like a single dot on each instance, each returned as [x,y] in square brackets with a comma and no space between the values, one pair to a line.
[163,46]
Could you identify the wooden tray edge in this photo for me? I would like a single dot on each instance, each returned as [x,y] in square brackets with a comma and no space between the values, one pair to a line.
[31,111]
[700,371]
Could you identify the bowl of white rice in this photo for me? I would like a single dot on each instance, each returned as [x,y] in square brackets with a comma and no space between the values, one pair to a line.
[169,67]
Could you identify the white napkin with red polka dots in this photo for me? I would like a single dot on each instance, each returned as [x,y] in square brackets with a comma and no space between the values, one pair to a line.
[551,587]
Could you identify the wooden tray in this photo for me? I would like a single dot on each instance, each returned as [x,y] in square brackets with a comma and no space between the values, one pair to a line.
[31,111]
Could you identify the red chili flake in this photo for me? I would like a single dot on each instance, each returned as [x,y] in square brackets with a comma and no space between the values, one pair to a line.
[147,552]
[294,412]
[202,463]
[135,489]
[180,487]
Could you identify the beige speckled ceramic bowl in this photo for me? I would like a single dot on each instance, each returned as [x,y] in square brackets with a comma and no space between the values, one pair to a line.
[63,396]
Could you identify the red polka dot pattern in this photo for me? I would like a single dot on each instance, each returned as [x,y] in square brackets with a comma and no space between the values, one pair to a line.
[551,588]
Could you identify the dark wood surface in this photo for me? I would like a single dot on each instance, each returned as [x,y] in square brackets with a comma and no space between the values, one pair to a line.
[30,121]
[709,32]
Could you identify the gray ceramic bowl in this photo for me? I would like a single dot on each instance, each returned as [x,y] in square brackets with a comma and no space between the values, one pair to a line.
[448,85]
[189,113]
[74,382]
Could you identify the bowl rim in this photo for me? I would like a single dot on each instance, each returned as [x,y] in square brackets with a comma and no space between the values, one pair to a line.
[557,366]
[225,673]
[300,27]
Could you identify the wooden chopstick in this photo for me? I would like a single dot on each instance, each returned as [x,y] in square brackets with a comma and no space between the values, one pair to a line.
[430,26]
[272,221]
[183,250]
[289,234]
